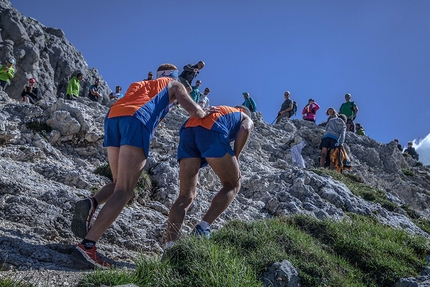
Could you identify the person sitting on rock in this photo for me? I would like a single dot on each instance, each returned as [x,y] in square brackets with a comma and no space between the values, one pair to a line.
[399,146]
[117,95]
[30,93]
[410,150]
[359,130]
[94,92]
[7,72]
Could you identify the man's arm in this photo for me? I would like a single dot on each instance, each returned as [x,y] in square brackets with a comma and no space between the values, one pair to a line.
[355,110]
[177,92]
[243,134]
[290,107]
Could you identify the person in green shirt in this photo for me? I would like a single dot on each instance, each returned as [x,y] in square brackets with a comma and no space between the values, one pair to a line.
[74,86]
[350,110]
[7,72]
[359,130]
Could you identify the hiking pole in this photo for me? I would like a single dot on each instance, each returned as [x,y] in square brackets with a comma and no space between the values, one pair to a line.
[275,119]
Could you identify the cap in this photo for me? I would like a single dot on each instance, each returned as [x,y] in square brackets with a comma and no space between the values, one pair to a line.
[245,93]
[347,95]
[32,80]
[11,60]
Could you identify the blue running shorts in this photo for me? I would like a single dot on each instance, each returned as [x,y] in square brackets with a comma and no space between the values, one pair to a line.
[203,143]
[126,131]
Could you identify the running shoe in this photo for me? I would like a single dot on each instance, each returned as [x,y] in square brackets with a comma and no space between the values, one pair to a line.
[88,258]
[84,211]
[198,231]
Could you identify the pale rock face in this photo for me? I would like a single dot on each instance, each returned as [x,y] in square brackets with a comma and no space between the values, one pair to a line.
[49,152]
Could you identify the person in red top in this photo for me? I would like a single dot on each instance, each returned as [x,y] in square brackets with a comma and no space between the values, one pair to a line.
[207,141]
[310,111]
[129,126]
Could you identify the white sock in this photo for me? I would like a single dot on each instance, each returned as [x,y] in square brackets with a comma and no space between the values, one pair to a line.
[204,225]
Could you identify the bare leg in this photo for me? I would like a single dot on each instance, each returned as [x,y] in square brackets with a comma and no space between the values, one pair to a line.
[188,175]
[323,156]
[227,169]
[131,161]
[106,191]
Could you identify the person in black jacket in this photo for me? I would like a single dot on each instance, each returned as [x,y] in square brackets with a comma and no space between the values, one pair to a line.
[189,73]
[411,151]
[30,93]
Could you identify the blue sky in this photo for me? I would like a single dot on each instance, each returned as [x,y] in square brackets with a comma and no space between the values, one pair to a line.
[376,50]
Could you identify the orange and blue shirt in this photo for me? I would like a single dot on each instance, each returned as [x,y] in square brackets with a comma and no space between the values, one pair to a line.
[147,101]
[227,121]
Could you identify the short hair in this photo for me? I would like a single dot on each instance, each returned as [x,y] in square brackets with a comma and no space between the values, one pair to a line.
[149,73]
[167,66]
[79,74]
[244,110]
[347,95]
[311,100]
[119,87]
[207,89]
[410,143]
[396,140]
[343,117]
[201,62]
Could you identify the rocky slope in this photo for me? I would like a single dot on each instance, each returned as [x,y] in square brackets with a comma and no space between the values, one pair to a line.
[49,152]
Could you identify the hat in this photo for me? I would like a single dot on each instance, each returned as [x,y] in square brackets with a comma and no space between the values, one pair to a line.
[347,95]
[311,100]
[11,60]
[245,93]
[32,80]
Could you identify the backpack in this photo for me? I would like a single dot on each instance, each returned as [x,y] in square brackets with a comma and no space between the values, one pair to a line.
[294,110]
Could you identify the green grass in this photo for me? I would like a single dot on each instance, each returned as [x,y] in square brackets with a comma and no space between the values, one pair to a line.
[10,282]
[358,251]
[407,172]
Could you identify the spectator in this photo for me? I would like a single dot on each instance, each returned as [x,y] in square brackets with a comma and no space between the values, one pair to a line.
[195,93]
[399,146]
[7,72]
[249,102]
[150,77]
[117,95]
[74,86]
[310,110]
[411,151]
[207,141]
[30,93]
[189,73]
[334,137]
[286,108]
[94,92]
[331,113]
[350,110]
[204,99]
[359,130]
[129,126]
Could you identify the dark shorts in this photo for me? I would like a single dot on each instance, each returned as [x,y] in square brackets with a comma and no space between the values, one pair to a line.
[328,143]
[93,98]
[126,131]
[202,143]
